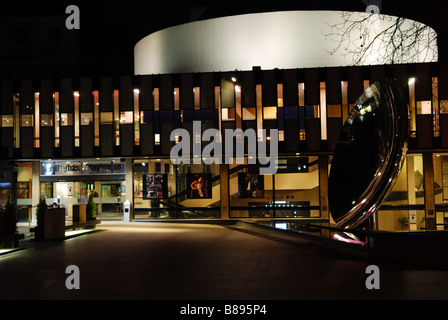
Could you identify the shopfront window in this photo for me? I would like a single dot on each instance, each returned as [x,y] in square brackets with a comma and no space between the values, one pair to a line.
[199,188]
[250,193]
[154,188]
[107,195]
[70,183]
[164,190]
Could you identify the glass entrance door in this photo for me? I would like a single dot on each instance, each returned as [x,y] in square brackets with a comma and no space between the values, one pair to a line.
[111,207]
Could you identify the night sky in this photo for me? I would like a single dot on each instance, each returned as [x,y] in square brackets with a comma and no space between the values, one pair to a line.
[110,29]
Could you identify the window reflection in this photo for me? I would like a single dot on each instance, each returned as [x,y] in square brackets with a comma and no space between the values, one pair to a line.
[7,121]
[126,117]
[106,118]
[66,119]
[46,120]
[228,114]
[269,113]
[86,118]
[26,120]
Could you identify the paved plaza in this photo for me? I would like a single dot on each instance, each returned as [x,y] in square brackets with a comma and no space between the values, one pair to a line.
[187,261]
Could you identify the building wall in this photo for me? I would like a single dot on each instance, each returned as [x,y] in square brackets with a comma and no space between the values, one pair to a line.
[132,118]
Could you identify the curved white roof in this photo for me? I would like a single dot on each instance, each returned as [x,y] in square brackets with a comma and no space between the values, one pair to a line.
[284,40]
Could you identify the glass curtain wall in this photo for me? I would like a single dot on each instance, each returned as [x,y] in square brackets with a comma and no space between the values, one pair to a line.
[165,190]
[293,192]
[403,209]
[440,161]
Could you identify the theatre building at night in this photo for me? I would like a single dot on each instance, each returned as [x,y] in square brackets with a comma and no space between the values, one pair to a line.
[63,138]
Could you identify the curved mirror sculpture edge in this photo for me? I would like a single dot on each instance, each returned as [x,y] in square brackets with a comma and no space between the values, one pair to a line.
[369,153]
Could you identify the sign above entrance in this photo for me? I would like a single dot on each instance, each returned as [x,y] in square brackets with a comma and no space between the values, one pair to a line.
[72,168]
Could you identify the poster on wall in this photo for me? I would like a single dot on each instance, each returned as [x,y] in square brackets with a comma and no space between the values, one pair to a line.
[199,186]
[250,185]
[155,186]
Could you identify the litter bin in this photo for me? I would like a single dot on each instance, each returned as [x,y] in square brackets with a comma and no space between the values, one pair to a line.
[127,217]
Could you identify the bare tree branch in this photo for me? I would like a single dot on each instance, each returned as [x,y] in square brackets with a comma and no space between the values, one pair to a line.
[381,39]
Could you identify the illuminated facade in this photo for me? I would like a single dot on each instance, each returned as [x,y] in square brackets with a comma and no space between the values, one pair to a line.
[284,40]
[69,136]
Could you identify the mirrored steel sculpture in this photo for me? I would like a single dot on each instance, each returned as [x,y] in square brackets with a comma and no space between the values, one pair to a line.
[369,153]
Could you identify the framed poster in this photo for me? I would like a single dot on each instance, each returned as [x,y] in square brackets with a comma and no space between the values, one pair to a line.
[199,185]
[250,185]
[155,186]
